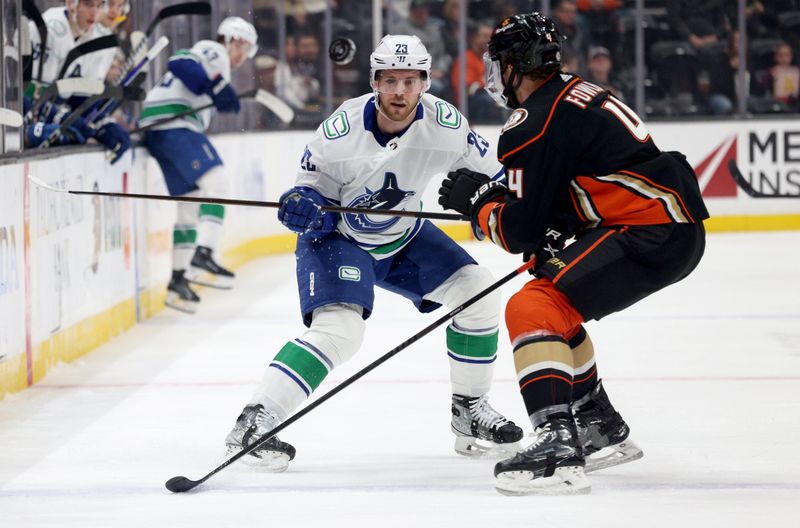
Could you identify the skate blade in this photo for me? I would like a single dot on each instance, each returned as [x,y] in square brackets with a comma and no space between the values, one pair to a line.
[174,301]
[613,455]
[204,278]
[567,480]
[469,446]
[271,461]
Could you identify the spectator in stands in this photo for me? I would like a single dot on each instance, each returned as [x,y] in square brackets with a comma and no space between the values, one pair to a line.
[599,68]
[565,15]
[717,86]
[295,81]
[783,79]
[480,104]
[420,24]
[451,12]
[601,21]
[699,22]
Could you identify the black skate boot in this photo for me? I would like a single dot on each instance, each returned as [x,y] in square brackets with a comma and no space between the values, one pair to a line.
[551,465]
[480,430]
[252,424]
[602,432]
[205,271]
[180,295]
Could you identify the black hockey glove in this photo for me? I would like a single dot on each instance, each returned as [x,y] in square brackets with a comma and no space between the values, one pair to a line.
[466,191]
[554,240]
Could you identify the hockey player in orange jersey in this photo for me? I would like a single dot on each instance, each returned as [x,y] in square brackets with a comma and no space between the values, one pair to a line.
[581,166]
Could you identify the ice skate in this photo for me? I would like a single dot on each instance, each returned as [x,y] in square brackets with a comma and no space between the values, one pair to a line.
[252,424]
[205,271]
[551,465]
[602,433]
[480,430]
[180,295]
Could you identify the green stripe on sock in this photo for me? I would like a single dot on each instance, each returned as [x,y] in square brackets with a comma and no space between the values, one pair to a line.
[477,346]
[184,236]
[215,210]
[304,363]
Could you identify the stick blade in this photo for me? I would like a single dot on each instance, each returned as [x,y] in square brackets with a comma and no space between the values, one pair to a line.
[276,106]
[181,484]
[10,118]
[80,85]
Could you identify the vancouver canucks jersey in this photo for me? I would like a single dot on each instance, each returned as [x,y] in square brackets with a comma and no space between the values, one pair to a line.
[59,43]
[351,163]
[172,95]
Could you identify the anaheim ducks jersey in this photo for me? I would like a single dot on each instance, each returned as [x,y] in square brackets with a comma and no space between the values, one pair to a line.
[574,154]
[171,95]
[351,163]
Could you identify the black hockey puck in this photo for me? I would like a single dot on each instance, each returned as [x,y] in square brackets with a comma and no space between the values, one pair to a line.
[342,50]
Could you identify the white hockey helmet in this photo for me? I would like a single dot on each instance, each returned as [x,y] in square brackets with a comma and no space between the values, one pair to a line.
[238,28]
[400,52]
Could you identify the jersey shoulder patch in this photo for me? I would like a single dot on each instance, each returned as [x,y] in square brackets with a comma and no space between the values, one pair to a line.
[336,126]
[515,119]
[57,27]
[447,115]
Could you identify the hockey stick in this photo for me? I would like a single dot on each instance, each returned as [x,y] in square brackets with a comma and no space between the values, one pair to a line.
[61,87]
[10,118]
[745,185]
[181,484]
[135,78]
[109,92]
[90,46]
[30,9]
[253,203]
[278,107]
[188,8]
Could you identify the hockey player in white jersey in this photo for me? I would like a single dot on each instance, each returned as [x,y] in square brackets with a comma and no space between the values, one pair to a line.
[67,27]
[189,162]
[380,151]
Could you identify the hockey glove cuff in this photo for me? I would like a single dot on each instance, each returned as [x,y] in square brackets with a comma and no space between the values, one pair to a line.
[37,133]
[224,96]
[301,211]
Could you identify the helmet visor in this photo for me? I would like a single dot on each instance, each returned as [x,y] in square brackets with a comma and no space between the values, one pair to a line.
[389,83]
[494,79]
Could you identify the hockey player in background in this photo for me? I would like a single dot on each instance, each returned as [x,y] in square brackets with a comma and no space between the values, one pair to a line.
[578,163]
[189,162]
[67,27]
[380,151]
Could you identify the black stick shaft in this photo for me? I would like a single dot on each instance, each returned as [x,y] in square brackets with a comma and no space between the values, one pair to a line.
[745,185]
[187,484]
[259,203]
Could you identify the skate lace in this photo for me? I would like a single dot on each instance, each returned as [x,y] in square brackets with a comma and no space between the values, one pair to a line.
[483,413]
[542,436]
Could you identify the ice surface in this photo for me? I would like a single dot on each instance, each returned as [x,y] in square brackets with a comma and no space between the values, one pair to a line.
[707,373]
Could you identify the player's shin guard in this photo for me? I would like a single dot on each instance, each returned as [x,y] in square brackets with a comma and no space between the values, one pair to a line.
[209,229]
[335,335]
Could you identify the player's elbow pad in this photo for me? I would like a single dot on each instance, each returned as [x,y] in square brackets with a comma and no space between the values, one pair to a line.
[190,73]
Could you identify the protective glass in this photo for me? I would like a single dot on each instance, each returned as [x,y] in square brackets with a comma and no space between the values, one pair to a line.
[494,80]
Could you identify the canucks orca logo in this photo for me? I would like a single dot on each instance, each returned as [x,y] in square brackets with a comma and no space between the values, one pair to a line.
[387,197]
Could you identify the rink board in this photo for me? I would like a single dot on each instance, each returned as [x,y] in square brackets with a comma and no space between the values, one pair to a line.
[76,271]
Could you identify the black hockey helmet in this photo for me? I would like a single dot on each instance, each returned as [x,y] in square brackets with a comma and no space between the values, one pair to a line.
[530,43]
